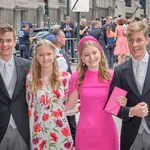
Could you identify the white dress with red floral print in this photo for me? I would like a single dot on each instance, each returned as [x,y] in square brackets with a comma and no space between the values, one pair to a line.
[49,129]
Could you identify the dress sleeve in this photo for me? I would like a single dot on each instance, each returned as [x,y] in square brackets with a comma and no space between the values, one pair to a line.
[72,88]
[65,80]
[73,85]
[29,93]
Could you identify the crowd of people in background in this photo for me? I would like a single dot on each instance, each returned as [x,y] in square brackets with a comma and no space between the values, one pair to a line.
[39,97]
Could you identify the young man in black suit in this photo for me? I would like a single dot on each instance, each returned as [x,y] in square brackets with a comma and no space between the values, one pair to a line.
[14,122]
[134,76]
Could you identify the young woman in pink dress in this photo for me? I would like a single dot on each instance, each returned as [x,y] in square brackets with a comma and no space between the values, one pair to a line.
[121,49]
[96,129]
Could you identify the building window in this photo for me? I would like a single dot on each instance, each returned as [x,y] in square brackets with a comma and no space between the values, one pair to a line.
[128,3]
[61,1]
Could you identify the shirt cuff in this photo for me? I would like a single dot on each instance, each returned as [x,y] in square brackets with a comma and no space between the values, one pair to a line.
[130,113]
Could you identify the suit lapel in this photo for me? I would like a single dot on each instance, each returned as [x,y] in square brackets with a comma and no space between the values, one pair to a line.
[20,79]
[4,90]
[147,79]
[129,75]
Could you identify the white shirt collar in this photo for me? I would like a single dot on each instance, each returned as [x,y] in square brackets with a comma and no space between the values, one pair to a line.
[10,62]
[145,59]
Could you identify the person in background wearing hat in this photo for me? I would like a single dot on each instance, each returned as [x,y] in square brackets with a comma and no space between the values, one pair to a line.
[96,129]
[25,41]
[62,64]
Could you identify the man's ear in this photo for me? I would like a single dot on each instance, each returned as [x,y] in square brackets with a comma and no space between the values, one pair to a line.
[15,43]
[147,40]
[57,38]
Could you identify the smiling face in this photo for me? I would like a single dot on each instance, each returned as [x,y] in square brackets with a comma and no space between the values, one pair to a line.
[91,57]
[137,44]
[7,43]
[45,57]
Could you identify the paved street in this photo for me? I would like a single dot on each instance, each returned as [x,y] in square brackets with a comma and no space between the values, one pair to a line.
[117,120]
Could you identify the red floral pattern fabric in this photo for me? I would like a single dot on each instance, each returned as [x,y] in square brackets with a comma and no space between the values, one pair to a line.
[49,129]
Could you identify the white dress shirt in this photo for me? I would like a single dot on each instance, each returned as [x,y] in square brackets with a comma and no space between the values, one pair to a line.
[7,79]
[10,67]
[62,64]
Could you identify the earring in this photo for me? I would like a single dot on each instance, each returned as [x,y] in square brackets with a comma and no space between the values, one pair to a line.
[83,64]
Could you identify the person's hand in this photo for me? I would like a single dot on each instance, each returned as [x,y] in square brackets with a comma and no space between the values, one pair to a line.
[122,100]
[65,29]
[139,110]
[69,29]
[86,27]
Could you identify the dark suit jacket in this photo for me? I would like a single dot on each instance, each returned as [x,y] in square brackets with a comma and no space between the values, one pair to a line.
[64,26]
[95,32]
[17,105]
[124,78]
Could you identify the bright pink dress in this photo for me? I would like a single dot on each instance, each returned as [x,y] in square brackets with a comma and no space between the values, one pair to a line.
[121,43]
[96,129]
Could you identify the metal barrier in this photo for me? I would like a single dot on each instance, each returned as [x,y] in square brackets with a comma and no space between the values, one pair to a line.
[71,48]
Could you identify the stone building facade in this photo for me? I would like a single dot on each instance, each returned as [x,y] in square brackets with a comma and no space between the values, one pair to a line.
[16,11]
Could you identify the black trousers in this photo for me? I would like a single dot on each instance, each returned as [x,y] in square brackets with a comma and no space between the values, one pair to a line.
[72,124]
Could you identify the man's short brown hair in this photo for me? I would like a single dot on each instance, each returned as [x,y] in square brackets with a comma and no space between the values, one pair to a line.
[137,26]
[7,28]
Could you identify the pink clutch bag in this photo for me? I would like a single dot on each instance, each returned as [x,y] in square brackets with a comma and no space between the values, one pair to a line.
[112,105]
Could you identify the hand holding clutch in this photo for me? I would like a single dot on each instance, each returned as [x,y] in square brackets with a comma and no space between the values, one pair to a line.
[116,100]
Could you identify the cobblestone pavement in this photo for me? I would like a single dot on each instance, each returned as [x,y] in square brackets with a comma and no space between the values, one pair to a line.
[117,120]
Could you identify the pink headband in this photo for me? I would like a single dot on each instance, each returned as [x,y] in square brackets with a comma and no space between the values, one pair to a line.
[86,39]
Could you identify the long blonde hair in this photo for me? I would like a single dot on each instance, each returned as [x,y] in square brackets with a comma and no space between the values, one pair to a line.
[103,73]
[36,68]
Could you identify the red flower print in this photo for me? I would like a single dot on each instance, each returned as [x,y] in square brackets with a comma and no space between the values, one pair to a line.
[64,102]
[54,136]
[35,148]
[36,140]
[27,86]
[45,117]
[41,83]
[37,127]
[43,143]
[67,145]
[60,112]
[79,108]
[64,74]
[35,116]
[65,132]
[28,97]
[59,123]
[29,113]
[44,99]
[56,114]
[56,92]
[64,82]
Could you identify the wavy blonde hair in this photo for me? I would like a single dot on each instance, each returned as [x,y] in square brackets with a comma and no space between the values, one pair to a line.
[36,68]
[103,73]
